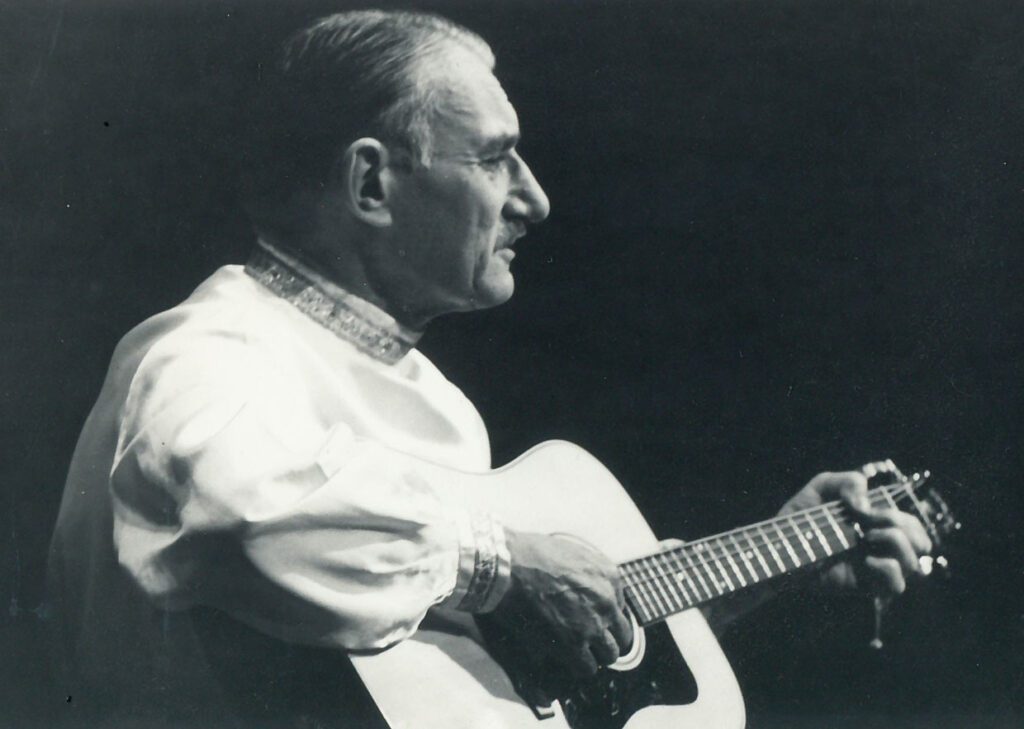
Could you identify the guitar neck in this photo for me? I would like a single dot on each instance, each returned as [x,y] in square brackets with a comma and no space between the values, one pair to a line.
[668,582]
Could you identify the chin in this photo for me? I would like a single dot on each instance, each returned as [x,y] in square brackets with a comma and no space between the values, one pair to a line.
[495,293]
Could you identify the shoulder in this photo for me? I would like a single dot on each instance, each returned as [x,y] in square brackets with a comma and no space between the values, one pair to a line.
[226,335]
[227,311]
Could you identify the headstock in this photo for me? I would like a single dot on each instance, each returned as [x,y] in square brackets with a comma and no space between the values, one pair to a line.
[934,513]
[915,495]
[912,494]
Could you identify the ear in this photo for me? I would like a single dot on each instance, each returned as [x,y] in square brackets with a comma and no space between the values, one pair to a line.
[364,180]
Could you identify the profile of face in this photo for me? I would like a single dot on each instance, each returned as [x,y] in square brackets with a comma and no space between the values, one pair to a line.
[454,221]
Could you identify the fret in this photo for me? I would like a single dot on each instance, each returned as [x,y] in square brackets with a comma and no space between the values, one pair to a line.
[800,535]
[821,537]
[701,550]
[640,589]
[835,527]
[757,553]
[676,602]
[653,585]
[674,576]
[687,599]
[700,577]
[786,544]
[673,580]
[743,556]
[682,574]
[735,569]
[644,614]
[725,575]
[771,550]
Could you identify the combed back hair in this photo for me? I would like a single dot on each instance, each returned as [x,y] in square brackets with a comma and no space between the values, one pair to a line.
[350,75]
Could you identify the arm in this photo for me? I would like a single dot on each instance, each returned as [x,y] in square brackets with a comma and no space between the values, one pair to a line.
[229,491]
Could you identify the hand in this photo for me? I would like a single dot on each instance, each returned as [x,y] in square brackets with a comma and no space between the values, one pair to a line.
[894,540]
[565,602]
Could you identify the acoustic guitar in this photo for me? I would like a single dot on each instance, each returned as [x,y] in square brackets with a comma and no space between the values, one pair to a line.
[449,676]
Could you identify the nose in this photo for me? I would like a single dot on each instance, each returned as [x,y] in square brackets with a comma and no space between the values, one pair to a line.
[527,199]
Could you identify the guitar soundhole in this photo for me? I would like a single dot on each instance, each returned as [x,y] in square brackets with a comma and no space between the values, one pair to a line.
[610,698]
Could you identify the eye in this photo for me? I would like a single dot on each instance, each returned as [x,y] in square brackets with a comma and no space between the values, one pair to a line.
[497,161]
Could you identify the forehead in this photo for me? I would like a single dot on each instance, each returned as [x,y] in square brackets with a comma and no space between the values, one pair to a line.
[471,109]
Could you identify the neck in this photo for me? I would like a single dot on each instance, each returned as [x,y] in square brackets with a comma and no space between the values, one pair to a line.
[700,572]
[337,259]
[351,317]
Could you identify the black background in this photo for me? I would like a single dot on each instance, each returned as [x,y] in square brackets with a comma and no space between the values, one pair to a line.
[786,237]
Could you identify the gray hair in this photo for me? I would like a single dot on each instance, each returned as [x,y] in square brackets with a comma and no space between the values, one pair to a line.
[353,74]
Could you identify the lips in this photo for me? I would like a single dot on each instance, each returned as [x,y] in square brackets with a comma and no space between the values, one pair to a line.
[514,235]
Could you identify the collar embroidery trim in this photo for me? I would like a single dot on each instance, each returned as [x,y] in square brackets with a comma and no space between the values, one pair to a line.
[370,329]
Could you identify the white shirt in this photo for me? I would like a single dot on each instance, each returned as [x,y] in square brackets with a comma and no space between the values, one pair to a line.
[255,450]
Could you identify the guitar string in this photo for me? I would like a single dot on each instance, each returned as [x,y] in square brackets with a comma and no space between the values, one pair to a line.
[648,598]
[836,509]
[652,576]
[656,575]
[659,596]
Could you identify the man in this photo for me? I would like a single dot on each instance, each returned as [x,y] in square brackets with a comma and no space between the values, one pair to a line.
[247,499]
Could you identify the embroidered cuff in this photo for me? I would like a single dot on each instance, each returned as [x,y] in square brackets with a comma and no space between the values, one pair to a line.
[485,567]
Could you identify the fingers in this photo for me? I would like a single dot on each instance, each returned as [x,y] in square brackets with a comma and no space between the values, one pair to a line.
[885,575]
[621,631]
[852,489]
[850,486]
[894,553]
[886,519]
[841,576]
[587,664]
[612,636]
[604,649]
[894,544]
[666,544]
[568,590]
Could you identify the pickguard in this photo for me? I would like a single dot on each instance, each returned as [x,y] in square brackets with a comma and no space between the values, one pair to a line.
[608,699]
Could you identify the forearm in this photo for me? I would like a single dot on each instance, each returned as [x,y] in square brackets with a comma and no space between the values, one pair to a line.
[346,545]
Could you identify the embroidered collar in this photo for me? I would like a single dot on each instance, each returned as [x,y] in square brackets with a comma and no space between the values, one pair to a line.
[370,329]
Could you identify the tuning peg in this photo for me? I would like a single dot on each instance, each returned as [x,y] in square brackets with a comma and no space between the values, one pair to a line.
[929,564]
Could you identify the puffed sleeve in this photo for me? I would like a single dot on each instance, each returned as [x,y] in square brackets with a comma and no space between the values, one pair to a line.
[228,492]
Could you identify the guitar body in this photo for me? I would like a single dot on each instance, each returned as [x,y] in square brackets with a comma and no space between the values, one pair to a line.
[444,676]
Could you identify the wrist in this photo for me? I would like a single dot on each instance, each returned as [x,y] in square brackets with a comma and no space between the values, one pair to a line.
[484,571]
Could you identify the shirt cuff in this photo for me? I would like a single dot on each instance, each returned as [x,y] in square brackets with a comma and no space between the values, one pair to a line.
[485,566]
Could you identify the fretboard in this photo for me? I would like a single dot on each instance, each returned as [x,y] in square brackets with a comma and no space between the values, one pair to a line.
[665,583]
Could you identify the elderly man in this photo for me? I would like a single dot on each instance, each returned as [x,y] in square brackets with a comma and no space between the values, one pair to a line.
[244,504]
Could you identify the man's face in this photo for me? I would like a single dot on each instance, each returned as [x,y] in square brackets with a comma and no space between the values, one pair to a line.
[456,219]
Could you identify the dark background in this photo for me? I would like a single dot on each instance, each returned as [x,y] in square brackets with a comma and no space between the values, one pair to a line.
[786,237]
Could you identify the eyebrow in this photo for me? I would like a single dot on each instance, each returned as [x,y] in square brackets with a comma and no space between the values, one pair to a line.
[500,143]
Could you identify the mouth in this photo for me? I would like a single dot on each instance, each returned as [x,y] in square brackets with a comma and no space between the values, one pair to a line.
[510,240]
